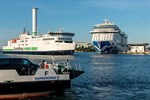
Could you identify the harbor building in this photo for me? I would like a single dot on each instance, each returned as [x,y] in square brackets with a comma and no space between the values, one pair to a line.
[84,47]
[83,44]
[140,48]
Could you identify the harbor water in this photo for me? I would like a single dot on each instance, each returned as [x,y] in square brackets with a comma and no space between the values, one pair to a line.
[106,77]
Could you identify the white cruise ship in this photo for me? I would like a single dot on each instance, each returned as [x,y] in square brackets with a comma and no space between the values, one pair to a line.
[52,43]
[107,38]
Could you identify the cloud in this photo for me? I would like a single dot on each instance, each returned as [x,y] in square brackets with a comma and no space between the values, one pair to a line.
[117,4]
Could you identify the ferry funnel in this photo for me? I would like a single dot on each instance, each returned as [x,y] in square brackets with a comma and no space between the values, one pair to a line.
[34,21]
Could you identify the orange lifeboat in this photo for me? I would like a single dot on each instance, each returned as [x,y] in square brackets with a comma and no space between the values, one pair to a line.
[14,41]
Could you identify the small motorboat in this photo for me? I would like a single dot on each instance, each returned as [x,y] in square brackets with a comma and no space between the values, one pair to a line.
[20,75]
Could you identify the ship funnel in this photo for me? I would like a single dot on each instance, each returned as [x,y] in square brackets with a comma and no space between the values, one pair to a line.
[34,21]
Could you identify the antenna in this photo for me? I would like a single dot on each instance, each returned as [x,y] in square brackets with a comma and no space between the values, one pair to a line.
[24,29]
[53,59]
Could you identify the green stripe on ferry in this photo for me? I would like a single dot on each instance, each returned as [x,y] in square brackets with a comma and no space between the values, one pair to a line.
[34,48]
[30,48]
[8,49]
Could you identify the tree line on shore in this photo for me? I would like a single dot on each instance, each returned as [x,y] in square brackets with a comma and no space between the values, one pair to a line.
[85,49]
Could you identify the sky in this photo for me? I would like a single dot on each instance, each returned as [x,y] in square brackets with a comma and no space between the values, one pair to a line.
[77,16]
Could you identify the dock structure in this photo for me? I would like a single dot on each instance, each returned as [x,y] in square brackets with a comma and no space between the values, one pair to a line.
[138,48]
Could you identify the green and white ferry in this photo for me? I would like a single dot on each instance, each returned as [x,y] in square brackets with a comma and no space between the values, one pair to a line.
[52,43]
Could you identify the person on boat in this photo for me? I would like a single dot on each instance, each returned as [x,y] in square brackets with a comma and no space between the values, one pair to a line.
[51,65]
[67,64]
[46,65]
[42,65]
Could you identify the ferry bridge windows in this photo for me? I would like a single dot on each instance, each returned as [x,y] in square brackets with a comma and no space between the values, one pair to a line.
[65,39]
[58,41]
[68,41]
[48,39]
[61,34]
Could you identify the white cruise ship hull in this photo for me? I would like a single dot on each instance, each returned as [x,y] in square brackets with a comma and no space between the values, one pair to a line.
[108,47]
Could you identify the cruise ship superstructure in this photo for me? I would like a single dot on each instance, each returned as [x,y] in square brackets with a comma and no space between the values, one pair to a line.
[107,38]
[52,43]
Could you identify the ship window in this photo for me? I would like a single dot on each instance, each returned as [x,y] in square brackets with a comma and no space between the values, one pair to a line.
[15,61]
[48,39]
[68,41]
[59,38]
[26,62]
[67,34]
[58,41]
[5,61]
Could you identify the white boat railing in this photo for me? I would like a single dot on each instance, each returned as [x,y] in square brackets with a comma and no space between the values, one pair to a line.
[67,65]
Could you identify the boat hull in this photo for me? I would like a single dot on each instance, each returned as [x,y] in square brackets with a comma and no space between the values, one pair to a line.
[63,52]
[31,87]
[108,47]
